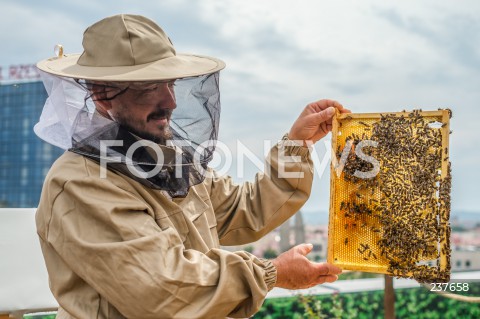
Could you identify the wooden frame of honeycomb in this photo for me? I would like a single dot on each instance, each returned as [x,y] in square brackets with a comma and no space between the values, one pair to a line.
[396,222]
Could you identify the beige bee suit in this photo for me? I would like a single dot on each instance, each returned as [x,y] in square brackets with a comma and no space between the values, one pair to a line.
[115,248]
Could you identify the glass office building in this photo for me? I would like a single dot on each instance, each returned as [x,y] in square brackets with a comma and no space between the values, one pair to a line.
[24,158]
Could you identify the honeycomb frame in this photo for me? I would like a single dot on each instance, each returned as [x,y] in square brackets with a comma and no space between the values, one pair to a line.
[352,243]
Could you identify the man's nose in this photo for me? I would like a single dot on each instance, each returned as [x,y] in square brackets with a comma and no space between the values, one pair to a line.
[167,94]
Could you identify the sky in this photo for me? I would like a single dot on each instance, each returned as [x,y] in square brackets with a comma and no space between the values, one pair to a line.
[371,56]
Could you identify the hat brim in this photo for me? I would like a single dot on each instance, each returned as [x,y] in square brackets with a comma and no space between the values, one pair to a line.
[176,67]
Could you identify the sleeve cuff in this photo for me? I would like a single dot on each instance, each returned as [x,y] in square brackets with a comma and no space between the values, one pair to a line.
[294,148]
[270,273]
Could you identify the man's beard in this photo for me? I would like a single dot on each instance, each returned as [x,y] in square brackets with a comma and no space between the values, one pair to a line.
[161,138]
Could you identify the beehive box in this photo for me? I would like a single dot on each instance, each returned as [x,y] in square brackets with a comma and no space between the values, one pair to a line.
[390,194]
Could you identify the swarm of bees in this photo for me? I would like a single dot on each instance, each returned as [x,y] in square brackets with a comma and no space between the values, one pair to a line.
[412,211]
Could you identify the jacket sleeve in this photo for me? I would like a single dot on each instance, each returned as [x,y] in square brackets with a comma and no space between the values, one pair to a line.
[105,235]
[247,212]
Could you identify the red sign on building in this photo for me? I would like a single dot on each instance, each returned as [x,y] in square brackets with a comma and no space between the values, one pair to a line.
[19,72]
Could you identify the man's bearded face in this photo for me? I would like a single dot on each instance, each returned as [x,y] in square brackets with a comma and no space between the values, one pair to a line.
[145,109]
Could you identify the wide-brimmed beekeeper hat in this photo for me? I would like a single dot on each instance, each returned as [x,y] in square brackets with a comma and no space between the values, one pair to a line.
[128,48]
[121,52]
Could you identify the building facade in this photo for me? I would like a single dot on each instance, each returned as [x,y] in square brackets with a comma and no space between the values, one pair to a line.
[465,258]
[24,158]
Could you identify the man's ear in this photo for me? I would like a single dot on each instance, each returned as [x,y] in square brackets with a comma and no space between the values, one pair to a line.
[102,104]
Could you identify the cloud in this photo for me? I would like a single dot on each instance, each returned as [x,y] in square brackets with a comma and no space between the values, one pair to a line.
[33,35]
[373,56]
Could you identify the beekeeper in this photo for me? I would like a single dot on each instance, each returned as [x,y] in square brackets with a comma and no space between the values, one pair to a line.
[131,218]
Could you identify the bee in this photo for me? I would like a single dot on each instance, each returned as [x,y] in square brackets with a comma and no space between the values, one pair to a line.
[363,123]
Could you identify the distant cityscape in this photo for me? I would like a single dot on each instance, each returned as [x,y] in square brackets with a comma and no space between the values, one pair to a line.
[305,228]
[466,219]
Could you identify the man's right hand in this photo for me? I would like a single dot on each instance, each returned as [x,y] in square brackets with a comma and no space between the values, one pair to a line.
[295,271]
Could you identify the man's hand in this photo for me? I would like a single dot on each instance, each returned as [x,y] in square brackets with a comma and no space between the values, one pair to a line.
[315,121]
[295,271]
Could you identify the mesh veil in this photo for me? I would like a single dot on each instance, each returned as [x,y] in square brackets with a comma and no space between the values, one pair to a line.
[70,121]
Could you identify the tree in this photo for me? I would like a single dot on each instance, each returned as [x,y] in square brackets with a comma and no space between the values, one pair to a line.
[248,249]
[270,253]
